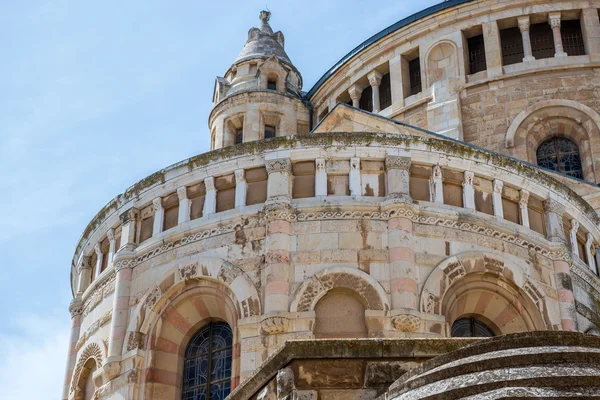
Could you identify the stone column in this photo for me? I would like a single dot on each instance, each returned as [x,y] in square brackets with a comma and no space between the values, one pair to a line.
[76,309]
[493,48]
[85,275]
[240,188]
[396,83]
[111,247]
[554,21]
[573,238]
[436,191]
[375,80]
[184,205]
[590,27]
[398,175]
[99,260]
[497,199]
[124,272]
[468,190]
[320,177]
[354,177]
[524,27]
[554,211]
[159,216]
[523,207]
[210,199]
[589,245]
[279,183]
[355,91]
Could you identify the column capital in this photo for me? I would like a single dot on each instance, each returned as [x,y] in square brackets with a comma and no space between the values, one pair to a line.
[240,175]
[111,234]
[468,177]
[523,198]
[320,164]
[85,263]
[523,23]
[554,206]
[574,225]
[182,193]
[157,204]
[98,250]
[437,172]
[355,91]
[498,185]
[76,307]
[209,183]
[589,240]
[279,165]
[397,162]
[129,215]
[554,19]
[355,164]
[374,78]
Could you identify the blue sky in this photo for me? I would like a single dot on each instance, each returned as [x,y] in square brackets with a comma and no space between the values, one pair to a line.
[94,97]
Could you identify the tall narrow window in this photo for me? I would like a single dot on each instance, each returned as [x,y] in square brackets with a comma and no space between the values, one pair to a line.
[476,54]
[207,365]
[366,99]
[414,70]
[239,136]
[542,40]
[562,155]
[385,92]
[512,46]
[470,327]
[572,37]
[270,131]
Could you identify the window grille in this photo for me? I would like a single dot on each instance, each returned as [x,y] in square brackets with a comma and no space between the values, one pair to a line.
[562,155]
[385,92]
[476,54]
[512,46]
[572,38]
[207,365]
[269,131]
[542,40]
[366,99]
[239,136]
[470,327]
[414,71]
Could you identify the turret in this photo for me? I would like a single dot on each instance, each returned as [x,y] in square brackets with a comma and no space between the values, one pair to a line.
[260,95]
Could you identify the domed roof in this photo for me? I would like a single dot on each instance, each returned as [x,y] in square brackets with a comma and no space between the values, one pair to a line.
[263,43]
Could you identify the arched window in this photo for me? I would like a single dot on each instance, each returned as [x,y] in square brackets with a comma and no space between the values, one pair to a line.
[470,327]
[560,154]
[207,365]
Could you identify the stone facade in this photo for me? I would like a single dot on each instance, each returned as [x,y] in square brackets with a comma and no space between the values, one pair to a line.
[368,230]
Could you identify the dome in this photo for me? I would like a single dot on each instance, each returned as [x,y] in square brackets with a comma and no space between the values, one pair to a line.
[263,43]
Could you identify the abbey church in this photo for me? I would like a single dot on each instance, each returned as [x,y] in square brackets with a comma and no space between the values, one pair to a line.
[421,223]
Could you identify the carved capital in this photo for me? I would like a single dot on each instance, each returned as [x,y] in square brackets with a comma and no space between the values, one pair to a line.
[240,175]
[468,177]
[129,215]
[374,78]
[274,325]
[320,164]
[498,185]
[355,164]
[437,172]
[209,183]
[85,263]
[110,234]
[406,323]
[554,20]
[574,226]
[182,193]
[523,23]
[157,204]
[589,240]
[523,198]
[76,307]
[98,250]
[355,91]
[554,206]
[135,340]
[278,165]
[395,162]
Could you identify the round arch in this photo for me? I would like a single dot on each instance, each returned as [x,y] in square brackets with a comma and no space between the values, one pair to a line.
[94,352]
[481,279]
[436,68]
[312,290]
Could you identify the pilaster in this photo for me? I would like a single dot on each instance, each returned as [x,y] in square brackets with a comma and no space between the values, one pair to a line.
[184,205]
[279,183]
[76,309]
[210,200]
[320,177]
[436,191]
[398,175]
[354,177]
[497,199]
[468,190]
[241,187]
[493,50]
[159,215]
[590,27]
[523,207]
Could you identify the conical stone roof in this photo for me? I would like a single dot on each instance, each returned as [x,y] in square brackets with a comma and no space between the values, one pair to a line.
[263,43]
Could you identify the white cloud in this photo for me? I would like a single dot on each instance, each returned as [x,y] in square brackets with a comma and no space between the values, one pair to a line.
[33,358]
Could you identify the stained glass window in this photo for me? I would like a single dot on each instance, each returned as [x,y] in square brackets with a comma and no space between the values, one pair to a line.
[207,365]
[470,327]
[562,155]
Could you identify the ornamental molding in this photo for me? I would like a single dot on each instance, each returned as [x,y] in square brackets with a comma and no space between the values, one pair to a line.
[585,275]
[92,351]
[102,290]
[274,325]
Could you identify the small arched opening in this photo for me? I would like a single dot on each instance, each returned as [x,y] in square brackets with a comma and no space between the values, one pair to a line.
[340,313]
